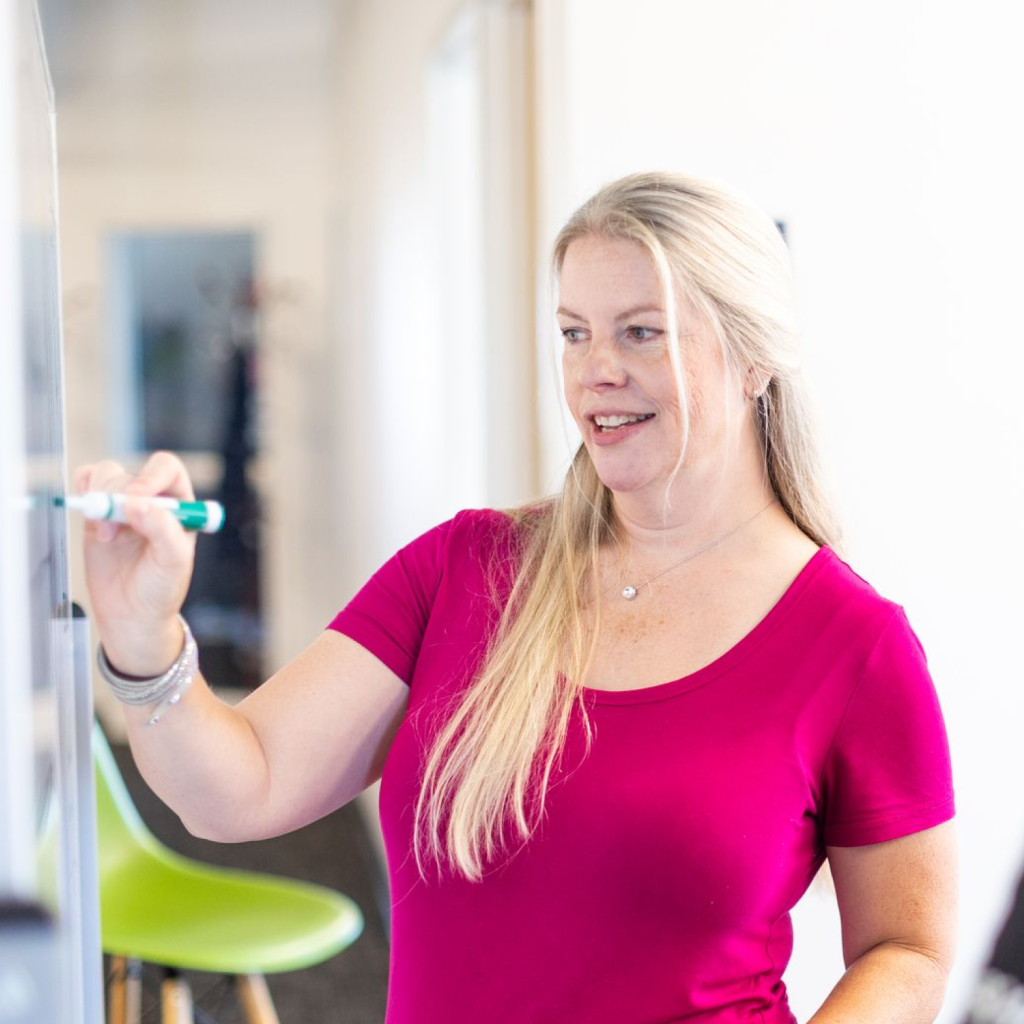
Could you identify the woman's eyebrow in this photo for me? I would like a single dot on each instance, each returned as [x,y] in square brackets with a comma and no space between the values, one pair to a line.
[637,310]
[625,315]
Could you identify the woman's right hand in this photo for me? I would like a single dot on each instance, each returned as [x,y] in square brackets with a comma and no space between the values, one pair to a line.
[138,574]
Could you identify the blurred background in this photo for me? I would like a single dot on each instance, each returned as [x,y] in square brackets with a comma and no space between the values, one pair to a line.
[305,245]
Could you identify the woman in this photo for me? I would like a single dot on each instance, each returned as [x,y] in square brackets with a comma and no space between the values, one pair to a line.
[625,727]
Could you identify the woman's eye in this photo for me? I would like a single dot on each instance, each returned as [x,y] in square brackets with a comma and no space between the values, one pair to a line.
[572,334]
[642,333]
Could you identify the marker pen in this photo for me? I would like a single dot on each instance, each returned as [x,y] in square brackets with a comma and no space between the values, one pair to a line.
[206,516]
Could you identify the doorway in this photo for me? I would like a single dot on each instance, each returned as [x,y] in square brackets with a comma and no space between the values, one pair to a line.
[185,365]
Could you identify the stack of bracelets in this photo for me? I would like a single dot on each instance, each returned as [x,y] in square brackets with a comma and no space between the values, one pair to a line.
[164,690]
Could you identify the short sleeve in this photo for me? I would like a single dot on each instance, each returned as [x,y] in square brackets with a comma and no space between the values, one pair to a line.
[389,615]
[888,772]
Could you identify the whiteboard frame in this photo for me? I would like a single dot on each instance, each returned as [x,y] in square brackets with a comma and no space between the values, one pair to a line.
[17,829]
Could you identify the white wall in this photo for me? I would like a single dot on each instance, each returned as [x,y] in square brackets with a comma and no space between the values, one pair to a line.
[884,136]
[394,430]
[384,240]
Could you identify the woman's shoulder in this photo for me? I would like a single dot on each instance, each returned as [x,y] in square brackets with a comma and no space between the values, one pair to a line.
[469,554]
[851,602]
[490,534]
[849,582]
[496,524]
[477,532]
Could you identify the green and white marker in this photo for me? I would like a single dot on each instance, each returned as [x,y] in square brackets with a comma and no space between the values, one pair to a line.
[205,516]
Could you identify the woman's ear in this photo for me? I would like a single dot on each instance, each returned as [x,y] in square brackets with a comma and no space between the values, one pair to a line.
[755,384]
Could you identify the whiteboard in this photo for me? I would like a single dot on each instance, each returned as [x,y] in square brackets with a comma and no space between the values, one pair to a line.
[47,868]
[33,535]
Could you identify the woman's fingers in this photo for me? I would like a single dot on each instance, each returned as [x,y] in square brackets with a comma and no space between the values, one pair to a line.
[170,545]
[163,473]
[137,573]
[80,479]
[107,475]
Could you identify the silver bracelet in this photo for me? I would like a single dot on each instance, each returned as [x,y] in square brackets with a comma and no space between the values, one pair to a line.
[163,690]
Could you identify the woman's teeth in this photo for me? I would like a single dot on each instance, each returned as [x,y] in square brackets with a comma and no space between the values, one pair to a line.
[607,423]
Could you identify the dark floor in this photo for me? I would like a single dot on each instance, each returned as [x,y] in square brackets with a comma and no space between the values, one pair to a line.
[351,988]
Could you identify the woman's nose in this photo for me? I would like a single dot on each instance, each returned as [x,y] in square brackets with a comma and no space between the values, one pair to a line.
[601,364]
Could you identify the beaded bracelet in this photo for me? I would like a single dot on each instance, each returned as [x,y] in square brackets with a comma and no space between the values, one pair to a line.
[163,690]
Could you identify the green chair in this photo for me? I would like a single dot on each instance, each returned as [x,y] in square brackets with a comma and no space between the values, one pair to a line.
[162,908]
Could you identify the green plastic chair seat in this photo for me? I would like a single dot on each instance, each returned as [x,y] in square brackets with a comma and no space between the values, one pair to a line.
[161,907]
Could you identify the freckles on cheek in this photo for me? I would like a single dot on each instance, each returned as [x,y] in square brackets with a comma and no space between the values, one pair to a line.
[697,400]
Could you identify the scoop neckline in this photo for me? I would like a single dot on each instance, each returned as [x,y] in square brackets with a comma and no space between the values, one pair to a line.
[725,661]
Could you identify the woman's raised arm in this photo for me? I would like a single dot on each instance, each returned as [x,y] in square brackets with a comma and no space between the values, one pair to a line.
[304,743]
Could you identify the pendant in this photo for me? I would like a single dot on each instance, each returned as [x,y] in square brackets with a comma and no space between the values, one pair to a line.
[629,592]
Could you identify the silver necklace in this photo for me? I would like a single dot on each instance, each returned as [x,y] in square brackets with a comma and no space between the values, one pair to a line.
[629,591]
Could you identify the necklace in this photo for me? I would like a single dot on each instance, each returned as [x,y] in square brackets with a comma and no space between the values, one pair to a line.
[630,591]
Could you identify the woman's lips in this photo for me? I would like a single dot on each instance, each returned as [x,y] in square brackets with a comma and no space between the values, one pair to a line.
[603,438]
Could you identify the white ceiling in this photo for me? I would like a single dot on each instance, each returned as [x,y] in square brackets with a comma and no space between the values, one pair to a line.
[155,47]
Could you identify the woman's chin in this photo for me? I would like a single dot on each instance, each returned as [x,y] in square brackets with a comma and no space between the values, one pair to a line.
[624,481]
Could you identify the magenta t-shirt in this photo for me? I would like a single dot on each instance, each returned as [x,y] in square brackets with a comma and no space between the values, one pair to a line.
[659,884]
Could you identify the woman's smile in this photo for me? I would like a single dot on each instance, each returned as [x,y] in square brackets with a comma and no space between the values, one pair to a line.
[614,428]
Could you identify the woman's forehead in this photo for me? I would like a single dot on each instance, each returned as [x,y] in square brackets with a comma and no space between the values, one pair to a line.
[614,279]
[608,276]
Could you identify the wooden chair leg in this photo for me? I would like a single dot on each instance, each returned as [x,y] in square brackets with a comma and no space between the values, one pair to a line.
[175,1000]
[254,996]
[116,991]
[124,996]
[133,992]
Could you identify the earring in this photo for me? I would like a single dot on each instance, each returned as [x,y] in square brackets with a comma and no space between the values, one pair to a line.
[758,389]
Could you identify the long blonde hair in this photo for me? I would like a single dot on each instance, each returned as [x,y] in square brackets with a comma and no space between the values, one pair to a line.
[489,767]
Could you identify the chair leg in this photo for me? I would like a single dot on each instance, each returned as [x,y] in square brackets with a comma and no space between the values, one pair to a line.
[254,996]
[133,992]
[175,1000]
[116,991]
[124,996]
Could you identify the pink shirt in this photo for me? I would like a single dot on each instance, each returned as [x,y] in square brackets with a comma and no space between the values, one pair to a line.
[658,887]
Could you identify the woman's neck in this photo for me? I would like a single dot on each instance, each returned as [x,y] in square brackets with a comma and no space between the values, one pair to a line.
[651,527]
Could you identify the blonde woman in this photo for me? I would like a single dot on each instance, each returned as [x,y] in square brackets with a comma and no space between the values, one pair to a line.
[620,730]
